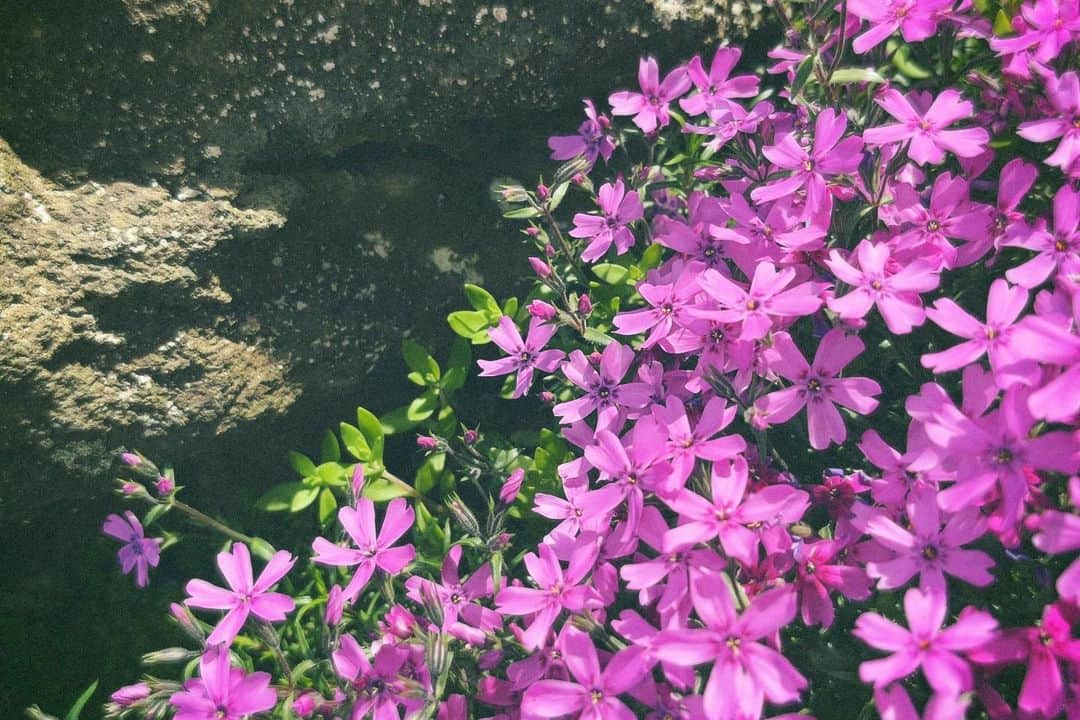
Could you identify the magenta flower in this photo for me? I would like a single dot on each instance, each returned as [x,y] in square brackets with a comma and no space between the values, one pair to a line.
[717,84]
[818,388]
[818,573]
[926,645]
[686,444]
[1005,220]
[373,550]
[244,595]
[667,311]
[1055,250]
[603,392]
[895,294]
[525,356]
[950,215]
[555,591]
[222,692]
[139,552]
[592,139]
[727,119]
[650,107]
[1059,532]
[1041,648]
[927,549]
[893,703]
[1064,95]
[915,19]
[765,297]
[595,694]
[588,510]
[745,671]
[619,209]
[811,169]
[992,338]
[729,511]
[458,598]
[1048,26]
[926,124]
[380,689]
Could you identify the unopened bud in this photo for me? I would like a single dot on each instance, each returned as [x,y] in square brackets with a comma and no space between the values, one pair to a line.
[579,179]
[400,622]
[357,482]
[164,485]
[542,310]
[463,514]
[187,621]
[532,231]
[513,193]
[335,606]
[511,486]
[584,305]
[547,397]
[543,191]
[549,250]
[130,459]
[427,442]
[305,704]
[169,655]
[541,268]
[470,437]
[130,694]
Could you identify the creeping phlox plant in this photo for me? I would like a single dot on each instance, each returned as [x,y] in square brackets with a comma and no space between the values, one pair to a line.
[805,362]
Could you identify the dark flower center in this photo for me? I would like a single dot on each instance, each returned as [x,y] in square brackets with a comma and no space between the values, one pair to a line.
[752,304]
[603,393]
[1061,245]
[716,335]
[930,552]
[876,284]
[813,385]
[596,696]
[933,226]
[1004,456]
[525,356]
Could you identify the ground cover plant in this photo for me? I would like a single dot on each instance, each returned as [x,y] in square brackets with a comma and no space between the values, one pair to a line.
[801,378]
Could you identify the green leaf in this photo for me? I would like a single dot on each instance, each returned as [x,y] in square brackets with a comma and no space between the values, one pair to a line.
[383,488]
[279,498]
[1002,23]
[331,473]
[454,379]
[154,513]
[419,359]
[652,257]
[510,307]
[611,273]
[483,301]
[77,708]
[802,74]
[907,67]
[370,426]
[422,407]
[427,477]
[843,76]
[355,442]
[327,505]
[469,324]
[557,196]
[260,549]
[461,353]
[301,463]
[598,338]
[329,450]
[521,213]
[303,498]
[396,421]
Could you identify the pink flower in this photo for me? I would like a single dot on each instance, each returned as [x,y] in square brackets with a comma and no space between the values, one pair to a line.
[916,20]
[619,209]
[895,294]
[380,683]
[1064,95]
[717,84]
[592,139]
[950,215]
[603,391]
[669,303]
[556,590]
[830,156]
[244,595]
[525,356]
[139,552]
[817,387]
[818,573]
[595,694]
[927,549]
[926,645]
[222,692]
[373,550]
[746,672]
[686,445]
[765,297]
[993,338]
[1055,250]
[650,106]
[925,125]
[1048,26]
[894,703]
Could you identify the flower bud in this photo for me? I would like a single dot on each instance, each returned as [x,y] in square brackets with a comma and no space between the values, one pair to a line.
[357,482]
[547,397]
[169,655]
[335,606]
[470,437]
[513,193]
[130,694]
[549,250]
[511,486]
[305,704]
[584,305]
[164,485]
[579,179]
[130,459]
[542,310]
[541,268]
[187,622]
[532,231]
[427,442]
[490,659]
[463,514]
[543,191]
[130,488]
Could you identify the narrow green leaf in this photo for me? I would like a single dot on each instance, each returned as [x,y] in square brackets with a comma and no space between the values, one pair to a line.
[598,338]
[303,498]
[611,273]
[843,76]
[301,463]
[329,450]
[77,708]
[396,421]
[558,195]
[383,488]
[327,505]
[422,407]
[355,442]
[521,213]
[279,498]
[483,301]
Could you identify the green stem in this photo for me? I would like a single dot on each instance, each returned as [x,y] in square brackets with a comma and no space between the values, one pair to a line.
[204,519]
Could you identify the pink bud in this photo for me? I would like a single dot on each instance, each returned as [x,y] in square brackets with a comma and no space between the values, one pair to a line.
[130,488]
[335,606]
[470,437]
[511,486]
[305,704]
[400,622]
[549,250]
[357,483]
[541,268]
[542,191]
[532,231]
[584,305]
[164,485]
[542,310]
[426,442]
[594,358]
[130,694]
[131,459]
[578,179]
[547,397]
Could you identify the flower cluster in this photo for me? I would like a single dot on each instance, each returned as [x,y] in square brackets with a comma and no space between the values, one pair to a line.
[811,352]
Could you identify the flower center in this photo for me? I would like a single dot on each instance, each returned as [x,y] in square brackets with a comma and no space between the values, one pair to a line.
[808,165]
[876,284]
[654,100]
[733,644]
[813,385]
[930,552]
[924,124]
[596,696]
[1060,245]
[933,226]
[525,356]
[1004,456]
[709,252]
[810,569]
[717,335]
[667,309]
[752,304]
[603,393]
